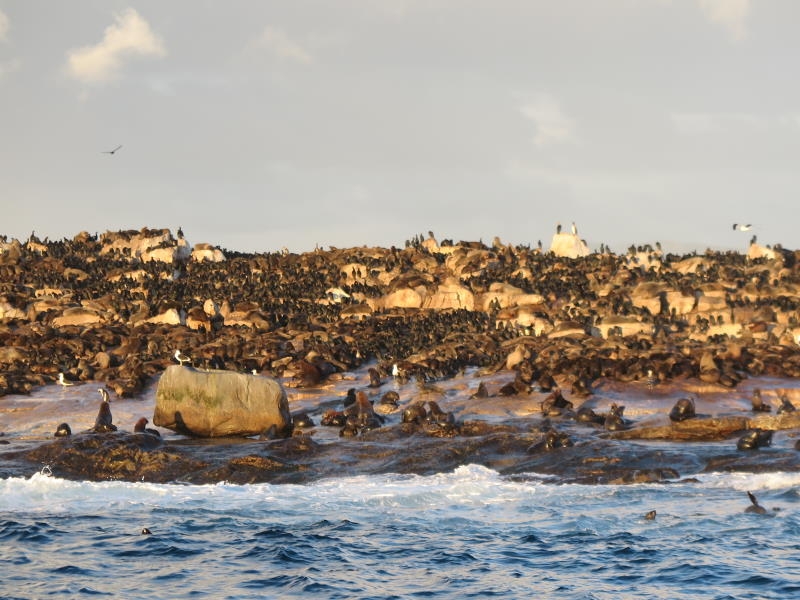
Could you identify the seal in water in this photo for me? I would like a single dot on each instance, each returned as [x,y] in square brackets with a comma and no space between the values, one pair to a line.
[650,516]
[683,409]
[754,507]
[755,439]
[63,430]
[103,422]
[388,404]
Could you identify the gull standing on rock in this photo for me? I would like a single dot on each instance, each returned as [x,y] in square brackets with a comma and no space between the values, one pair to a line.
[63,382]
[181,358]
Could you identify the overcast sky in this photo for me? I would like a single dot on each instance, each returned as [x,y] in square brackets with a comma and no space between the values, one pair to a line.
[256,125]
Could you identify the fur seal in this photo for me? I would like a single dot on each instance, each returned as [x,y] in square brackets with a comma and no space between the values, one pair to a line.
[754,507]
[146,531]
[141,427]
[388,404]
[650,516]
[755,439]
[374,378]
[63,430]
[301,420]
[683,409]
[102,423]
[786,406]
[555,404]
[758,404]
[587,415]
[614,420]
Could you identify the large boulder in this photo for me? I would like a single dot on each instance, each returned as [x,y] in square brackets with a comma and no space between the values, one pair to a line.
[219,403]
[568,245]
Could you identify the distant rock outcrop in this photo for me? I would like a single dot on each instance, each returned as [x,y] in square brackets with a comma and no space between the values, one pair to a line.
[568,245]
[219,403]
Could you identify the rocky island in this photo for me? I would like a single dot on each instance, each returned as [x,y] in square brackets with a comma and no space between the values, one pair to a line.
[581,366]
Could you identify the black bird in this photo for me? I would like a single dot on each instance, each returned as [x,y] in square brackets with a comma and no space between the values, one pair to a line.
[112,151]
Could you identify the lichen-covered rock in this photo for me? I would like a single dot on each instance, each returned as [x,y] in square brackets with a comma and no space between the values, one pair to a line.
[219,403]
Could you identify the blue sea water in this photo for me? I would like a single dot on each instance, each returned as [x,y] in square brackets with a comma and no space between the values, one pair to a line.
[469,533]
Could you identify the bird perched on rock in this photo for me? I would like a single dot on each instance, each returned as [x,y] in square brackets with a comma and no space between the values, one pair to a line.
[63,382]
[181,358]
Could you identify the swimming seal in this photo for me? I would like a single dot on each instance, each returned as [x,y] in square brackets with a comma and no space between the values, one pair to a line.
[754,507]
[650,516]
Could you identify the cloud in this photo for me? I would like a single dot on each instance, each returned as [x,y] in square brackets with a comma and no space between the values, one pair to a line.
[283,47]
[3,26]
[730,14]
[552,125]
[129,36]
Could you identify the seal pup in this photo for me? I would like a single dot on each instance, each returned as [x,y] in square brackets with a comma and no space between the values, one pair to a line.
[63,430]
[754,507]
[758,404]
[102,423]
[683,409]
[181,358]
[141,427]
[755,439]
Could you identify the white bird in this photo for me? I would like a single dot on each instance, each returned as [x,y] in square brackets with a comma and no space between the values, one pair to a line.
[63,382]
[181,358]
[103,394]
[738,227]
[112,151]
[395,370]
[574,228]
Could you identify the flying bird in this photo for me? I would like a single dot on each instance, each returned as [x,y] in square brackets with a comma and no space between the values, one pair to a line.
[738,227]
[112,151]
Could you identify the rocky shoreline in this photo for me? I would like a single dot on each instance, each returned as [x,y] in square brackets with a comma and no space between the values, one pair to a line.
[529,324]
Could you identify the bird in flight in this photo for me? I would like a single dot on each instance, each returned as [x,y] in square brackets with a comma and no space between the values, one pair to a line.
[112,151]
[747,227]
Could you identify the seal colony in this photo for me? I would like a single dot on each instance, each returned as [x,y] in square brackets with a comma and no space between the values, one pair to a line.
[120,307]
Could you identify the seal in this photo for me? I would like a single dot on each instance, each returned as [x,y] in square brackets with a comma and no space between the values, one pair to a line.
[614,420]
[758,404]
[388,404]
[754,507]
[141,427]
[755,439]
[63,430]
[786,406]
[650,516]
[683,409]
[102,423]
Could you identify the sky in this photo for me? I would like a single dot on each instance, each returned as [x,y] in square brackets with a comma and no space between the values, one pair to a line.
[259,125]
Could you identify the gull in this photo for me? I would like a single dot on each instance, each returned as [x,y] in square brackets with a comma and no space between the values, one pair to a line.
[738,227]
[112,151]
[181,358]
[63,382]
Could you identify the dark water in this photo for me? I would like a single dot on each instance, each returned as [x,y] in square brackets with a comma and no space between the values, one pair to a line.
[465,534]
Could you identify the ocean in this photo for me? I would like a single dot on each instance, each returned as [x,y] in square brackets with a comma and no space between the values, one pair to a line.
[464,533]
[469,533]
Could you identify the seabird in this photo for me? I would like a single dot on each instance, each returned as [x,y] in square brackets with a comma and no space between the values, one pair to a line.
[754,507]
[738,227]
[63,382]
[103,394]
[181,358]
[574,229]
[112,151]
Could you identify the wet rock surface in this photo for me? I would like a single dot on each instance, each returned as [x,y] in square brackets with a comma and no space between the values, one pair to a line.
[508,357]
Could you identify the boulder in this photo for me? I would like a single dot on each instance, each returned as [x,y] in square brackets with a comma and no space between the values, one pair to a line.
[219,403]
[568,245]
